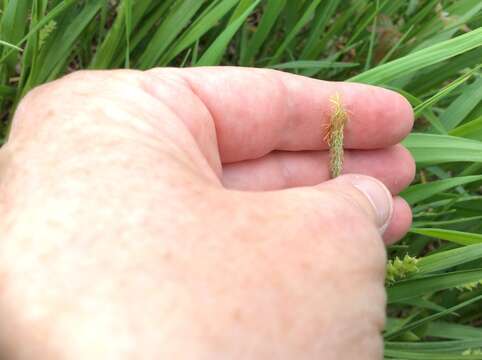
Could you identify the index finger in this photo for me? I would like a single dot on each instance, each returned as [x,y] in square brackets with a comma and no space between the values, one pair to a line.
[256,111]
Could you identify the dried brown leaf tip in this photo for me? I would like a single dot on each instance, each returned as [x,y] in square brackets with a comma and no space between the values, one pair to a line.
[334,135]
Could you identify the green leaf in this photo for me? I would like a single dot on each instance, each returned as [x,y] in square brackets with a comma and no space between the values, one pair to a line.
[471,130]
[13,26]
[449,258]
[458,237]
[7,44]
[55,12]
[270,15]
[63,41]
[167,32]
[406,355]
[463,105]
[213,54]
[419,192]
[453,331]
[7,91]
[310,64]
[322,18]
[445,91]
[418,60]
[128,24]
[421,286]
[305,18]
[435,346]
[418,323]
[435,149]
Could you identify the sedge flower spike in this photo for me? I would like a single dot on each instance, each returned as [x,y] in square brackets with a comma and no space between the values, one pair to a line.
[334,135]
[400,268]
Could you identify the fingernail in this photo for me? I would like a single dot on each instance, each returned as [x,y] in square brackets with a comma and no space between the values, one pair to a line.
[379,196]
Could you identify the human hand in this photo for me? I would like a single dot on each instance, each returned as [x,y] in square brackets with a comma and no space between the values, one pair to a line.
[121,240]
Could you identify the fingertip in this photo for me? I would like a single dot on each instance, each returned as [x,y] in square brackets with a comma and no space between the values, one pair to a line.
[394,114]
[400,222]
[383,116]
[403,111]
[405,171]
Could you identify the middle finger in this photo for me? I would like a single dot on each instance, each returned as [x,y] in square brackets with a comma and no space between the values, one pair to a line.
[394,166]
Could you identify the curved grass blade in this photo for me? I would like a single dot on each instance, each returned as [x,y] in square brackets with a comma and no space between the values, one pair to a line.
[457,237]
[203,24]
[305,18]
[435,149]
[470,130]
[449,258]
[270,16]
[167,32]
[418,60]
[212,56]
[313,64]
[421,286]
[419,192]
[415,324]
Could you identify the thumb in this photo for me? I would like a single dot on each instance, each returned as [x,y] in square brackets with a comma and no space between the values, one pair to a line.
[365,192]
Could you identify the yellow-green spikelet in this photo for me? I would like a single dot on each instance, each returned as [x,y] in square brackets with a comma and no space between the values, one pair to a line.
[334,131]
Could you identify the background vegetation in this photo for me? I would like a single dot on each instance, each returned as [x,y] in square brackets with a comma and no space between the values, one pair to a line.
[428,50]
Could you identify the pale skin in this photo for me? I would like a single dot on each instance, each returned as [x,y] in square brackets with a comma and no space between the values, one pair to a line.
[188,214]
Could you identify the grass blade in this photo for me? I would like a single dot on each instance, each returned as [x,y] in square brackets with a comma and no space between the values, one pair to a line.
[418,60]
[419,192]
[213,54]
[457,237]
[417,287]
[434,149]
[418,323]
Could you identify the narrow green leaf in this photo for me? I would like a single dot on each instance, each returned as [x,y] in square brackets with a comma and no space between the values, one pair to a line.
[63,41]
[55,12]
[322,17]
[470,130]
[453,331]
[445,91]
[7,44]
[418,60]
[435,149]
[449,258]
[213,54]
[128,24]
[14,22]
[463,105]
[305,18]
[168,30]
[419,192]
[436,346]
[271,13]
[310,64]
[406,355]
[458,237]
[205,22]
[418,323]
[372,36]
[421,286]
[7,91]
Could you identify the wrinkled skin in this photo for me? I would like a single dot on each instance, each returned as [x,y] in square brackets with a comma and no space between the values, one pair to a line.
[187,214]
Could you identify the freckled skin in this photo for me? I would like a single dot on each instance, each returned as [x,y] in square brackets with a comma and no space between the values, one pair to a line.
[121,240]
